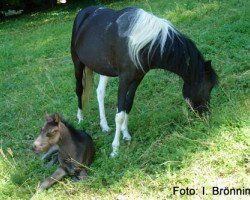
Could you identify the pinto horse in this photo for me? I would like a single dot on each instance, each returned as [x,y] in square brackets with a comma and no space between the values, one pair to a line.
[128,43]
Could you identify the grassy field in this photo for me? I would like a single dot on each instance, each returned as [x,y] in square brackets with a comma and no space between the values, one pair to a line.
[170,146]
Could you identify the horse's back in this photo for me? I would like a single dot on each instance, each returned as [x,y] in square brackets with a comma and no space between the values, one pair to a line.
[96,35]
[83,15]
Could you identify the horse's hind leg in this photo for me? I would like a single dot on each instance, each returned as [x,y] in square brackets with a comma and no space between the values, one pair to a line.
[100,97]
[79,67]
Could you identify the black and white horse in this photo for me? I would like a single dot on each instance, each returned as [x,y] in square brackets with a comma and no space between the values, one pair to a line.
[128,43]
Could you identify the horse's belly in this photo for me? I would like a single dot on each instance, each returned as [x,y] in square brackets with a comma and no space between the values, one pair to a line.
[98,62]
[105,70]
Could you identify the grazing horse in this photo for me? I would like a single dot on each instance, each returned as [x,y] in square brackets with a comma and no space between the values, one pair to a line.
[128,43]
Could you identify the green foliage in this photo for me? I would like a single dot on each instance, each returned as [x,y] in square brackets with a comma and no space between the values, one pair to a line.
[26,4]
[170,145]
[22,2]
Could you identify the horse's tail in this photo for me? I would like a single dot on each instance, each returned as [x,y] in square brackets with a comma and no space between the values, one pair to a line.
[87,83]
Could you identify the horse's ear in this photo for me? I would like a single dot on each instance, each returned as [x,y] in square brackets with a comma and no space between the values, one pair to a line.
[208,65]
[210,73]
[57,118]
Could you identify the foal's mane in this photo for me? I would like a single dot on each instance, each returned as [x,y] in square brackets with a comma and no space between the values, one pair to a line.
[75,134]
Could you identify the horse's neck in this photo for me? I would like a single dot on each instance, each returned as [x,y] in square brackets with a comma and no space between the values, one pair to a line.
[188,66]
[177,68]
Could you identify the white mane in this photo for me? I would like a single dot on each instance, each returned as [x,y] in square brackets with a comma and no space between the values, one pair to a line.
[145,29]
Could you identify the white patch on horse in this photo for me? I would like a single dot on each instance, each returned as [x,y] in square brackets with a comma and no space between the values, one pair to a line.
[79,115]
[123,22]
[96,11]
[119,118]
[124,128]
[100,91]
[108,26]
[144,29]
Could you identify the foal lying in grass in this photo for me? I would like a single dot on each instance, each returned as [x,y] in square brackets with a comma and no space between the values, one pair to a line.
[76,149]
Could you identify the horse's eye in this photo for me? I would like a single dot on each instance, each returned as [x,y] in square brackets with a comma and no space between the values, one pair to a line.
[49,134]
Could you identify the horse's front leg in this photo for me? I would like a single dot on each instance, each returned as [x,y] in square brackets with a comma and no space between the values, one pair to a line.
[128,106]
[100,91]
[124,83]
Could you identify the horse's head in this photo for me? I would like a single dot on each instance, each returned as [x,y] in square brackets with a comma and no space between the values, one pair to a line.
[197,93]
[49,135]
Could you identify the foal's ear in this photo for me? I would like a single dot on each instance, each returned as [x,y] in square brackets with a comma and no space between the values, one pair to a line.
[57,118]
[46,116]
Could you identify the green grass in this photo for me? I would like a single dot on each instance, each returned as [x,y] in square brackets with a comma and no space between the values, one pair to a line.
[170,146]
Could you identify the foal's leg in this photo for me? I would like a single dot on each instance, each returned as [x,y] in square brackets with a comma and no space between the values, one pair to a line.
[129,102]
[51,155]
[119,118]
[56,176]
[82,174]
[54,149]
[100,97]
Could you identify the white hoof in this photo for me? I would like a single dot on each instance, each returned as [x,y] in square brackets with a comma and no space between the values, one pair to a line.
[104,127]
[80,119]
[126,136]
[79,115]
[127,140]
[114,153]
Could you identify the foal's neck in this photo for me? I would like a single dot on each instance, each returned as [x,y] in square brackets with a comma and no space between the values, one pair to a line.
[65,141]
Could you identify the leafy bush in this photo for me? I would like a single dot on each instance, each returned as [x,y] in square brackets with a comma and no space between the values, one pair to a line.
[27,4]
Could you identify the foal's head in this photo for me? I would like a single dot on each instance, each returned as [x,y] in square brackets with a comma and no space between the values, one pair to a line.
[49,135]
[197,93]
